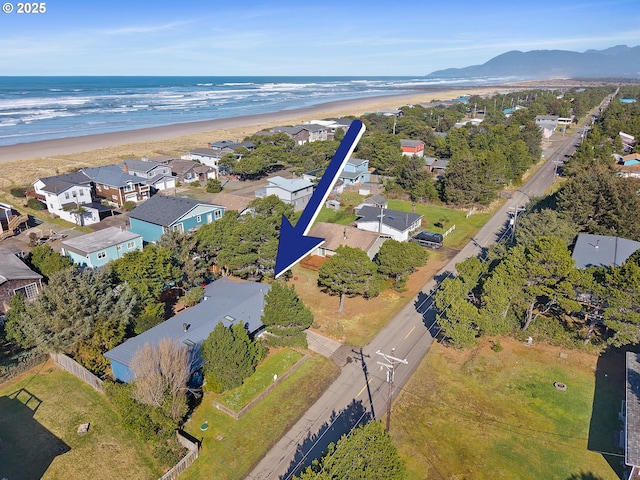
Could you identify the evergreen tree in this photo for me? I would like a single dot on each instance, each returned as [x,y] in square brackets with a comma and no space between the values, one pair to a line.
[367,453]
[47,261]
[285,316]
[398,259]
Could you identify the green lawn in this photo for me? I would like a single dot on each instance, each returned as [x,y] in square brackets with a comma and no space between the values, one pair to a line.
[341,217]
[480,414]
[39,416]
[465,227]
[231,447]
[277,364]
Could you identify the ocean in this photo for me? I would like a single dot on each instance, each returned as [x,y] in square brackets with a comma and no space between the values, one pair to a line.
[43,108]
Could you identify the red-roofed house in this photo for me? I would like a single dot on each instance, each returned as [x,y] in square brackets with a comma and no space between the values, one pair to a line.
[412,147]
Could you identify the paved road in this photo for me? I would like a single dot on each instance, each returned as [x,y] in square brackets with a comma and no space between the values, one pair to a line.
[361,390]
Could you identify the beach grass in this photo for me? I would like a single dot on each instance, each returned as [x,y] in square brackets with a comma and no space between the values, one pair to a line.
[40,412]
[230,448]
[495,413]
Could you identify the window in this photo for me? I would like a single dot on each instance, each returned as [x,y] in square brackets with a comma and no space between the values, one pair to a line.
[129,187]
[81,193]
[66,195]
[118,247]
[29,291]
[198,218]
[217,214]
[131,245]
[102,255]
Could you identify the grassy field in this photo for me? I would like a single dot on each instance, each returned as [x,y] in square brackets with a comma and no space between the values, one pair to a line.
[481,413]
[231,447]
[276,363]
[446,217]
[39,416]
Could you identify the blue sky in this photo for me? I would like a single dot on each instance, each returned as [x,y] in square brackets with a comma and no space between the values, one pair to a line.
[272,37]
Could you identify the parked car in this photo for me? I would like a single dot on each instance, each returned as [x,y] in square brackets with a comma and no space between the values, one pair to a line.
[428,239]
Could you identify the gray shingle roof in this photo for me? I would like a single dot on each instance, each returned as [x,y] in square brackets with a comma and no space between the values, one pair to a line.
[227,300]
[12,268]
[602,250]
[60,183]
[164,210]
[112,175]
[206,152]
[410,143]
[632,414]
[141,165]
[96,241]
[392,218]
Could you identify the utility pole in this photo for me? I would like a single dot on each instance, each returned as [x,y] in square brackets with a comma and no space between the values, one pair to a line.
[514,211]
[390,365]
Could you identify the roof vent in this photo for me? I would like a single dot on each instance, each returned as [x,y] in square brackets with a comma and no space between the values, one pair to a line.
[185,327]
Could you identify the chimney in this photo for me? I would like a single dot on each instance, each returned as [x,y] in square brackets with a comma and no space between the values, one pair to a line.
[185,327]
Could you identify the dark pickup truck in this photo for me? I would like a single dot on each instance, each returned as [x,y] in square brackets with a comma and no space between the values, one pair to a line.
[428,239]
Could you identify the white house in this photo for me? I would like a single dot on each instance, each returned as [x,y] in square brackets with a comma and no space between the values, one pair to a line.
[64,194]
[294,191]
[398,225]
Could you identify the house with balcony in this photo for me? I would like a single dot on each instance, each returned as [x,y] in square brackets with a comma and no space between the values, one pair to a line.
[16,277]
[355,172]
[302,134]
[98,248]
[294,191]
[69,196]
[158,174]
[161,214]
[206,156]
[393,223]
[117,187]
[10,221]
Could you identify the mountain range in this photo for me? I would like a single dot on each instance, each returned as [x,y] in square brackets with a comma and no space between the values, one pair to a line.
[620,61]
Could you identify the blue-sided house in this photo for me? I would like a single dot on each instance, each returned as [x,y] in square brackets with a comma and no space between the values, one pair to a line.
[227,300]
[356,171]
[98,248]
[162,213]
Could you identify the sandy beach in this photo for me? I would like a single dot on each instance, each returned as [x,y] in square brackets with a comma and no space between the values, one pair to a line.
[22,164]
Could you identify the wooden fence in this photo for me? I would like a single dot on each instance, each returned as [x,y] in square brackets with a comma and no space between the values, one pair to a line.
[188,459]
[74,368]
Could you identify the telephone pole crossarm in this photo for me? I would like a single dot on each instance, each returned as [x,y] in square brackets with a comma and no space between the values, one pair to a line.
[390,365]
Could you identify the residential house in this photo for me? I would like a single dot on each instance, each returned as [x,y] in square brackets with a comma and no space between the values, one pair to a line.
[188,171]
[394,112]
[157,173]
[547,124]
[355,172]
[233,202]
[116,186]
[16,277]
[602,250]
[412,147]
[207,156]
[227,301]
[10,220]
[627,100]
[341,235]
[631,159]
[98,248]
[439,166]
[376,200]
[332,125]
[70,197]
[161,214]
[398,225]
[302,134]
[628,141]
[229,146]
[294,191]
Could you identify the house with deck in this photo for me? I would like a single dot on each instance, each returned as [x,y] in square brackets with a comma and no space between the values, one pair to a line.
[116,187]
[228,301]
[294,191]
[69,196]
[393,223]
[355,172]
[16,277]
[343,235]
[206,156]
[157,173]
[98,248]
[10,221]
[189,171]
[161,214]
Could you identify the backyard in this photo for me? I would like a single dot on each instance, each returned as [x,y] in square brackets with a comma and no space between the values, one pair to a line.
[494,412]
[40,412]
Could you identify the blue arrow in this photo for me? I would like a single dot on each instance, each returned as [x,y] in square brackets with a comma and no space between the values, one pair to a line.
[294,244]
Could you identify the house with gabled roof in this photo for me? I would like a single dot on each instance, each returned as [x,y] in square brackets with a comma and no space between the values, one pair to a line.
[162,213]
[412,147]
[157,173]
[207,156]
[302,134]
[16,277]
[336,235]
[10,220]
[188,171]
[355,172]
[117,187]
[232,202]
[69,196]
[98,248]
[228,301]
[602,250]
[396,224]
[294,191]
